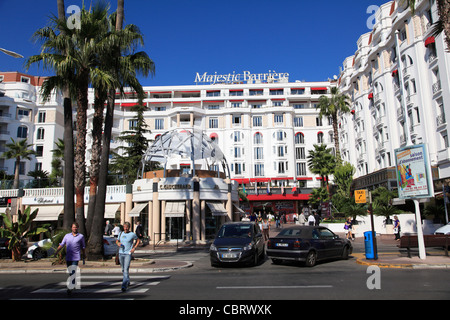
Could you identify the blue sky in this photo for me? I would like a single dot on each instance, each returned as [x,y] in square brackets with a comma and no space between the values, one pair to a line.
[307,39]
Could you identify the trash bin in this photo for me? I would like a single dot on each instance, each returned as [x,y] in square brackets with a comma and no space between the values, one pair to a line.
[368,243]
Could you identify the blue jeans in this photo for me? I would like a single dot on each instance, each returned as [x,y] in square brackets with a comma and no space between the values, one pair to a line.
[125,260]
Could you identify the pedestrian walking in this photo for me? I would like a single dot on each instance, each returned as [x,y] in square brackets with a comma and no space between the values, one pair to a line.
[397,228]
[127,242]
[311,220]
[302,219]
[348,228]
[116,231]
[75,250]
[317,218]
[266,229]
[277,220]
[108,228]
[139,232]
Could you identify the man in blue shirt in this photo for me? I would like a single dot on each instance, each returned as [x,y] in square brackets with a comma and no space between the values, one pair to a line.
[127,246]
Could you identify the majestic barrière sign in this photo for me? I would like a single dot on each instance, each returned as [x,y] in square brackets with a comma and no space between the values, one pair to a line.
[246,77]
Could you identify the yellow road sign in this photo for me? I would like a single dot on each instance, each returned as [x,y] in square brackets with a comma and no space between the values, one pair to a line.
[360,196]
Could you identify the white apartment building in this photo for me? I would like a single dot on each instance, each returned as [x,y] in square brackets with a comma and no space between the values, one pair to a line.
[399,63]
[24,116]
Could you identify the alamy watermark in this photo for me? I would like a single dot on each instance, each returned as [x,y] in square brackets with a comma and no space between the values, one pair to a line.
[372,20]
[374,280]
[74,20]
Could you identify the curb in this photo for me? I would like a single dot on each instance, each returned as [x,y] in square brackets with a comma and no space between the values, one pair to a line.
[63,270]
[360,259]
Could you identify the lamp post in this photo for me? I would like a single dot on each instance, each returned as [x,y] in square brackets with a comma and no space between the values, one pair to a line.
[11,53]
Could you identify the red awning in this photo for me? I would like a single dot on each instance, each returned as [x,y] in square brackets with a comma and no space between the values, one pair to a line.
[429,41]
[319,89]
[278,197]
[129,104]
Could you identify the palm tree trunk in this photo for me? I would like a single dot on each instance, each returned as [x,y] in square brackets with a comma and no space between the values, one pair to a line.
[16,174]
[80,161]
[99,103]
[336,138]
[69,187]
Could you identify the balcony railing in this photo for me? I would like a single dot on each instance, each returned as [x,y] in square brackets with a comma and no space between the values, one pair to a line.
[437,87]
[440,120]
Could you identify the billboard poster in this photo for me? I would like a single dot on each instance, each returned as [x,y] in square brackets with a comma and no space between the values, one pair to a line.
[414,178]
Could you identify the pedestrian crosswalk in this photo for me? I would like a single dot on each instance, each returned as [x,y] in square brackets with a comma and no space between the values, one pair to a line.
[102,284]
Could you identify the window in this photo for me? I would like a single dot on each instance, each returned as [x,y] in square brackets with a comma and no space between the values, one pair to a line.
[236,93]
[259,155]
[23,113]
[301,169]
[159,124]
[277,92]
[237,152]
[320,137]
[281,135]
[258,138]
[41,117]
[259,170]
[280,151]
[39,151]
[299,138]
[22,132]
[237,136]
[132,124]
[236,104]
[257,121]
[300,153]
[40,134]
[213,123]
[38,166]
[279,119]
[298,122]
[24,79]
[319,121]
[236,120]
[213,94]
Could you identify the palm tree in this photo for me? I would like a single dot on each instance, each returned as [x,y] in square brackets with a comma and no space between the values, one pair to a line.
[337,104]
[120,60]
[321,162]
[18,150]
[69,187]
[443,24]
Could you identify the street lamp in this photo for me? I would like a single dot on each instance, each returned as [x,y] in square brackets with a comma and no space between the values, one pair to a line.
[11,53]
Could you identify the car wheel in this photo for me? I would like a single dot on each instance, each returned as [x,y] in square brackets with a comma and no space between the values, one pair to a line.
[345,253]
[311,259]
[39,254]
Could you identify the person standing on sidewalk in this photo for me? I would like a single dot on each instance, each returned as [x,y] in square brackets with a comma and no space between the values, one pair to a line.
[75,249]
[127,242]
[397,228]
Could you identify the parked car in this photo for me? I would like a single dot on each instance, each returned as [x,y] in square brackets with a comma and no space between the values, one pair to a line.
[44,248]
[5,252]
[307,244]
[443,230]
[238,242]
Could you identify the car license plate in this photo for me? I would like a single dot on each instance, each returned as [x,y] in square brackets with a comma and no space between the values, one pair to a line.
[282,245]
[229,255]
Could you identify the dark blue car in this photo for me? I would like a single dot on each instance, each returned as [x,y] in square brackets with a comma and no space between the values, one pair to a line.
[307,244]
[237,242]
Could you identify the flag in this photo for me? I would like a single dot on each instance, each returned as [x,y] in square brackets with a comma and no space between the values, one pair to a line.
[243,188]
[294,189]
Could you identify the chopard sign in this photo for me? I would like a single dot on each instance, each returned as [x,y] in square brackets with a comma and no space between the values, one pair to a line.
[246,76]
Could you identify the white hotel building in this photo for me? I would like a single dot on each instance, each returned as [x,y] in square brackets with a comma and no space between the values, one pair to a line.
[398,80]
[263,124]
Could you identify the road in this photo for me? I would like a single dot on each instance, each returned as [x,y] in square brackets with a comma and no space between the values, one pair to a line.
[330,280]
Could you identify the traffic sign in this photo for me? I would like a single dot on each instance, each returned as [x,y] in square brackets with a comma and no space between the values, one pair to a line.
[360,196]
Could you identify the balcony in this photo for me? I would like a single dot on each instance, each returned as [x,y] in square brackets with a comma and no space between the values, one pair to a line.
[437,87]
[443,155]
[440,119]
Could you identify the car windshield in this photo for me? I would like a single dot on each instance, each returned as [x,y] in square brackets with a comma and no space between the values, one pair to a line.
[294,233]
[235,231]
